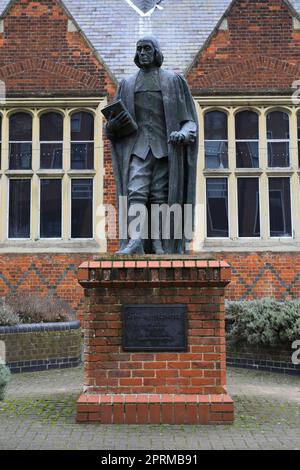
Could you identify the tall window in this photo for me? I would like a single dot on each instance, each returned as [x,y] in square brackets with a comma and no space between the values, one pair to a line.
[19,208]
[50,188]
[246,135]
[248,207]
[82,141]
[20,141]
[216,139]
[280,207]
[50,208]
[82,208]
[278,135]
[51,141]
[217,207]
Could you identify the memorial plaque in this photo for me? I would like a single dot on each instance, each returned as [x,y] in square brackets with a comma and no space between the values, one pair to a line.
[154,327]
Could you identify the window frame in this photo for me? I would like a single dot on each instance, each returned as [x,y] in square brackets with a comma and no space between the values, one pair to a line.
[36,108]
[261,105]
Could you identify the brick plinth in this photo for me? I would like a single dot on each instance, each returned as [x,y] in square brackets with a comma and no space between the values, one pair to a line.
[155,387]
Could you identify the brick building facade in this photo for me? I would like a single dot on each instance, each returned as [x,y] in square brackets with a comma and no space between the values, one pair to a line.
[60,63]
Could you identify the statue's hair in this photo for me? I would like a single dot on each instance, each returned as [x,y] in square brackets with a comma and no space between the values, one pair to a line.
[158,56]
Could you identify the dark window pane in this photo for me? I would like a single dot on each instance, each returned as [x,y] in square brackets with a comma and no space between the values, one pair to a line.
[20,156]
[51,156]
[82,208]
[20,127]
[248,203]
[278,125]
[19,208]
[215,125]
[51,127]
[217,207]
[50,208]
[247,155]
[246,125]
[278,154]
[82,126]
[216,154]
[298,121]
[280,207]
[82,156]
[0,127]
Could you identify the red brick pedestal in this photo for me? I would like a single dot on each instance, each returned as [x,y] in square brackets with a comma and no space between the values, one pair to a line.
[155,387]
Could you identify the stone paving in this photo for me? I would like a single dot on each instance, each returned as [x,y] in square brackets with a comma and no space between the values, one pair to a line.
[39,413]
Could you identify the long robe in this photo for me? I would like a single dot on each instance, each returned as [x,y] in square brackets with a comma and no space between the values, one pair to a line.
[179,108]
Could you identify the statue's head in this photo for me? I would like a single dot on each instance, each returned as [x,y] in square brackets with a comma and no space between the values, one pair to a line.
[148,53]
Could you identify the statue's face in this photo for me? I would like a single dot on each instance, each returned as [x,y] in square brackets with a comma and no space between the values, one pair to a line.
[146,53]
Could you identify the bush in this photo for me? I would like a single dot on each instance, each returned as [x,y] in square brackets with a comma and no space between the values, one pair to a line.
[7,315]
[33,309]
[4,379]
[264,322]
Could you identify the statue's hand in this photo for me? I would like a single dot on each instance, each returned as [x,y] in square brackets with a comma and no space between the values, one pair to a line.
[177,138]
[117,122]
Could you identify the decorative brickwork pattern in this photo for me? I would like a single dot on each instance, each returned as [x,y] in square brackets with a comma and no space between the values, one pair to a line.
[260,51]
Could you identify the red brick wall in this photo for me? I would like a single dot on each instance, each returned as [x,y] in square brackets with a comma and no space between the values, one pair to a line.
[263,274]
[260,51]
[39,56]
[43,274]
[254,275]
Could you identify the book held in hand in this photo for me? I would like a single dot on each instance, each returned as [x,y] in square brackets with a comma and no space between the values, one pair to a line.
[113,110]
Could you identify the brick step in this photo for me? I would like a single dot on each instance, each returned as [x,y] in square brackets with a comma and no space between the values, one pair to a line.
[155,409]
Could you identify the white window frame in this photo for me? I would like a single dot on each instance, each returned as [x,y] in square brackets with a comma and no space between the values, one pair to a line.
[67,107]
[262,105]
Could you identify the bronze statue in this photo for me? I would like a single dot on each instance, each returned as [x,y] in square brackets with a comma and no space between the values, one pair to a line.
[155,163]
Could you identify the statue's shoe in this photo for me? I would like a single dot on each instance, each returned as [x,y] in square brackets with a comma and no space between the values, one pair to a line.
[157,247]
[133,247]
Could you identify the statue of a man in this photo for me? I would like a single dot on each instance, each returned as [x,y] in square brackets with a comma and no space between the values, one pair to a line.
[157,163]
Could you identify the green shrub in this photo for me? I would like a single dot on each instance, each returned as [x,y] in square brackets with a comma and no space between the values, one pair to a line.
[8,317]
[264,322]
[4,379]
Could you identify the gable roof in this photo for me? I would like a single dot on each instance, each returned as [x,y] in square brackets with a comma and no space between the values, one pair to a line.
[113,26]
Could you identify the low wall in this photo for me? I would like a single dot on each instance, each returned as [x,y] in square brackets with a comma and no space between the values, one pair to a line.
[42,346]
[262,358]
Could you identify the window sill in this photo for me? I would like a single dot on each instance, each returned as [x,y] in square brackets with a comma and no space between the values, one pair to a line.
[53,246]
[249,245]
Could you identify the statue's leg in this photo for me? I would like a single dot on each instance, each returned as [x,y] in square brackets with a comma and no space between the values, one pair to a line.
[159,195]
[140,175]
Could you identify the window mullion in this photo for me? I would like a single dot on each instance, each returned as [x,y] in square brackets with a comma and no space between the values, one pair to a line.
[99,177]
[66,182]
[232,192]
[295,194]
[263,158]
[35,182]
[4,183]
[200,217]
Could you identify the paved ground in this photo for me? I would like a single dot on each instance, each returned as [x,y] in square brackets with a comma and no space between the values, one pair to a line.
[39,412]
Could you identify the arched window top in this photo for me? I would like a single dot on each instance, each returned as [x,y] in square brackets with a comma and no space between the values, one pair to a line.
[246,125]
[20,127]
[278,126]
[215,125]
[51,127]
[82,126]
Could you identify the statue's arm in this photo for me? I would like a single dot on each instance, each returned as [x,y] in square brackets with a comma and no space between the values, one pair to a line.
[115,122]
[188,118]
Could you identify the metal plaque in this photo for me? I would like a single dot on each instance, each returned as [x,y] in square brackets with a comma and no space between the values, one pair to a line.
[154,327]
